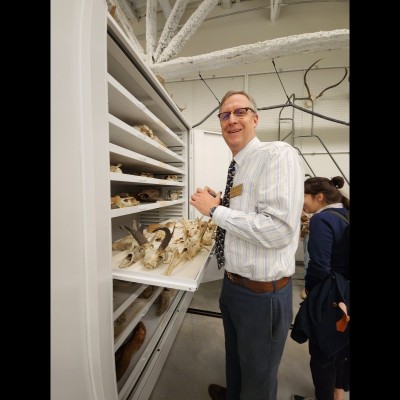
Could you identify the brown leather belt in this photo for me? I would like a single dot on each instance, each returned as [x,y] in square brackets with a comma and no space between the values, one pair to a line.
[258,286]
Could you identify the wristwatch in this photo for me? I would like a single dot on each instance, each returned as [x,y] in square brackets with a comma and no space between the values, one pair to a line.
[212,209]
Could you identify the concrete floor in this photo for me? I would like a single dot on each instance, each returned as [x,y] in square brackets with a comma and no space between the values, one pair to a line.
[197,357]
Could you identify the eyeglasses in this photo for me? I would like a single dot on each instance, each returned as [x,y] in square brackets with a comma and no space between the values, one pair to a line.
[239,112]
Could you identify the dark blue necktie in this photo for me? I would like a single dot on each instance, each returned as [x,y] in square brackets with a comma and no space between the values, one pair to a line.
[220,235]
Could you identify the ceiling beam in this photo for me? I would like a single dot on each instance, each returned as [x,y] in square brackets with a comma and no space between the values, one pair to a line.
[256,52]
[165,7]
[126,25]
[126,8]
[170,27]
[151,27]
[187,30]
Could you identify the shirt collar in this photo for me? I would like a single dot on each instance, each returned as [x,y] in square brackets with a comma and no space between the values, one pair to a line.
[334,205]
[248,149]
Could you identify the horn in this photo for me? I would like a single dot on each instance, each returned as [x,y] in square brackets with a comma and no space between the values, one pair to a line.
[305,78]
[167,238]
[332,86]
[138,236]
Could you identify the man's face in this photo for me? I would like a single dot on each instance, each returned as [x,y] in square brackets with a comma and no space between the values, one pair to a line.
[238,131]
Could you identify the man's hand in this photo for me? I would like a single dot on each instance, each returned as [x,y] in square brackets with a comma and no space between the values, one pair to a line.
[204,199]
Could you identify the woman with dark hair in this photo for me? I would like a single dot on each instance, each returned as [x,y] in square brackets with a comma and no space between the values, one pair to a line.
[328,250]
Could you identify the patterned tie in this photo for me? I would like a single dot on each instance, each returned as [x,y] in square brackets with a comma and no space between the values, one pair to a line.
[220,235]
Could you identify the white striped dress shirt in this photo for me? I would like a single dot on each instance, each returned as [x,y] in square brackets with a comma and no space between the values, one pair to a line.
[263,222]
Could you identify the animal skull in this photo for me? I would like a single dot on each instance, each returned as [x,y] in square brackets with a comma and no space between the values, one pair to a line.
[116,168]
[150,195]
[119,201]
[148,132]
[171,177]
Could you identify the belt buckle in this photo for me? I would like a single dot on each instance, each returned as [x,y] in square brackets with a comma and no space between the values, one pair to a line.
[230,277]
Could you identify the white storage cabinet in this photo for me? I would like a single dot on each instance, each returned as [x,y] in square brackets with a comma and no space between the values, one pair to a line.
[100,89]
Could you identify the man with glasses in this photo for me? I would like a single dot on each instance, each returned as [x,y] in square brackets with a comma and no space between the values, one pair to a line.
[259,222]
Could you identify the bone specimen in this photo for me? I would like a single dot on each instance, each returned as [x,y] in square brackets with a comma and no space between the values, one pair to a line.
[125,352]
[160,233]
[126,243]
[147,174]
[152,227]
[119,324]
[122,244]
[136,252]
[122,200]
[159,236]
[171,177]
[164,299]
[192,244]
[155,195]
[153,256]
[150,195]
[148,132]
[173,195]
[146,250]
[311,98]
[148,292]
[163,302]
[209,234]
[116,168]
[165,243]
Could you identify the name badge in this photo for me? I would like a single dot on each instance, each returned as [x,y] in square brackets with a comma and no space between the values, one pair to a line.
[236,191]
